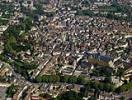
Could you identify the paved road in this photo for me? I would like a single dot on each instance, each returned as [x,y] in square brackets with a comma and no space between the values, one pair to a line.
[127,95]
[2,93]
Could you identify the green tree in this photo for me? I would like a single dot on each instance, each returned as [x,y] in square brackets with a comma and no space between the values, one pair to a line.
[55,78]
[39,78]
[122,98]
[64,78]
[108,87]
[72,79]
[80,80]
[93,98]
[70,95]
[108,79]
[120,72]
[10,91]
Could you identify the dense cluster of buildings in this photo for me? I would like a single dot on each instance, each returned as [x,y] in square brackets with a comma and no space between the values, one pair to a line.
[69,44]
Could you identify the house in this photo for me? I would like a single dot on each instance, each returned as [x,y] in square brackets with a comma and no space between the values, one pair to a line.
[19,92]
[67,69]
[101,60]
[116,80]
[5,70]
[3,28]
[128,74]
[34,97]
[105,97]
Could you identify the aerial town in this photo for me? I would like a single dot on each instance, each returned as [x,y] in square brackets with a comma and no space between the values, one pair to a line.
[65,49]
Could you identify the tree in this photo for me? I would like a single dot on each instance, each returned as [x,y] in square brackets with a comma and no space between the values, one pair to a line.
[124,87]
[11,91]
[84,91]
[9,43]
[46,96]
[46,78]
[108,79]
[80,80]
[64,78]
[122,98]
[101,86]
[93,98]
[38,78]
[120,72]
[93,85]
[28,23]
[108,87]
[39,8]
[55,78]
[72,79]
[114,2]
[70,95]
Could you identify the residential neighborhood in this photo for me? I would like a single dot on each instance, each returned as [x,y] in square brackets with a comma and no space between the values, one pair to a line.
[65,49]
